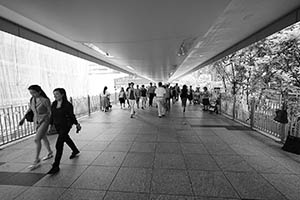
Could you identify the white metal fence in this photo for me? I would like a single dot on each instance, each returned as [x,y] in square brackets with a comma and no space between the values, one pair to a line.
[260,115]
[10,117]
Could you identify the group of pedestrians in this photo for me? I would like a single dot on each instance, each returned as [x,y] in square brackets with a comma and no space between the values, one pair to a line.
[59,114]
[161,95]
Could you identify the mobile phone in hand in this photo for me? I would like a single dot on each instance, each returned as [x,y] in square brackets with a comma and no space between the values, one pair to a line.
[78,128]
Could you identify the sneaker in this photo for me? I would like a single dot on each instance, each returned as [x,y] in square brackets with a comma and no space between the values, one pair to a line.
[131,116]
[50,155]
[74,154]
[35,164]
[53,170]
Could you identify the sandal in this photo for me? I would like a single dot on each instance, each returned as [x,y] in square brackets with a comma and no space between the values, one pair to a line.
[50,155]
[35,164]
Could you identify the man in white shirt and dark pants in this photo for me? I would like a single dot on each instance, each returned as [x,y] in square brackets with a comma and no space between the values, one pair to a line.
[160,99]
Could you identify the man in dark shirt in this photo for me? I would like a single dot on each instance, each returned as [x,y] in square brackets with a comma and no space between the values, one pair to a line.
[127,94]
[144,96]
[151,93]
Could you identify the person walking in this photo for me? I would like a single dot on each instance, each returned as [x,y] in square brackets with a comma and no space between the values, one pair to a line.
[106,98]
[184,96]
[168,97]
[173,95]
[138,96]
[151,93]
[40,105]
[191,94]
[132,99]
[122,97]
[177,90]
[62,118]
[127,94]
[144,96]
[160,99]
[205,99]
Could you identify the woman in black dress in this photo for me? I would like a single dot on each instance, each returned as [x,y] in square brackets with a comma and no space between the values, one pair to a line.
[184,96]
[63,118]
[205,99]
[122,97]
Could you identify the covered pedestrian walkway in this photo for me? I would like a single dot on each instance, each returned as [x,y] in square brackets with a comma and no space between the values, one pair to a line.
[196,155]
[193,155]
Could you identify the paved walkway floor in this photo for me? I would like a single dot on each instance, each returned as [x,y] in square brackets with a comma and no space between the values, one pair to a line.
[193,156]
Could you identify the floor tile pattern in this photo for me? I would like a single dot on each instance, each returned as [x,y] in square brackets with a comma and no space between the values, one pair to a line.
[184,156]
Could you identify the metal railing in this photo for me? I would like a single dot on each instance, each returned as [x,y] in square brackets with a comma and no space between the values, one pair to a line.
[10,117]
[259,115]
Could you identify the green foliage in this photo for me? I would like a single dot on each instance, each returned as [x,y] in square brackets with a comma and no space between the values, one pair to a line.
[271,65]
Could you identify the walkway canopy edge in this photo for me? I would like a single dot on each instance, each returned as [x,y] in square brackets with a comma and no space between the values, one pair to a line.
[25,33]
[283,22]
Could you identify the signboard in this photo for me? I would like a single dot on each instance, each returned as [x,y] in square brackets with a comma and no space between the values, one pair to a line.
[123,82]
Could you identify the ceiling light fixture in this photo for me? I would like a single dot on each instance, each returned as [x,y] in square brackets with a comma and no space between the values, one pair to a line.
[108,55]
[129,67]
[146,77]
[95,48]
[182,50]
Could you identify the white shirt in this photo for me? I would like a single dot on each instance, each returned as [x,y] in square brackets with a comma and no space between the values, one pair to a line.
[160,92]
[107,94]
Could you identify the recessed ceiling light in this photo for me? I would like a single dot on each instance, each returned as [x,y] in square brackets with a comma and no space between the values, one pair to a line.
[129,67]
[198,45]
[95,48]
[109,56]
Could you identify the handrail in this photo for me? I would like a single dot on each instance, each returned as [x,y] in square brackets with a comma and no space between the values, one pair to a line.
[260,116]
[11,115]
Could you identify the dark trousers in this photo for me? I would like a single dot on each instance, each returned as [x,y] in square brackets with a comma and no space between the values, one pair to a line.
[151,96]
[137,102]
[168,104]
[63,137]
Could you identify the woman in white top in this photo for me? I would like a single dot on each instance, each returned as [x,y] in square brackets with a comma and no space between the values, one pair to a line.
[160,99]
[132,99]
[40,105]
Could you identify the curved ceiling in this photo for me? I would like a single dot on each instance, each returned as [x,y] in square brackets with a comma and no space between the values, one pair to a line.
[147,34]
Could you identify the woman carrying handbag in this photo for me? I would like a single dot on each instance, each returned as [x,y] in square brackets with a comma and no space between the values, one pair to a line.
[39,112]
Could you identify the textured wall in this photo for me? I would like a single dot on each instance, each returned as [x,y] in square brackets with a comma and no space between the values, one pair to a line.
[23,63]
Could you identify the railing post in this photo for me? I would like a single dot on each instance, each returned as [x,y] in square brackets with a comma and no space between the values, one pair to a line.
[233,108]
[252,113]
[220,106]
[100,102]
[282,132]
[89,105]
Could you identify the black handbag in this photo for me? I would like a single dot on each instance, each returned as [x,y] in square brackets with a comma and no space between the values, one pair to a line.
[292,144]
[281,116]
[29,116]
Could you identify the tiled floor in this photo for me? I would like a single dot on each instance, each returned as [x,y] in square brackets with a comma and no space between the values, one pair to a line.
[188,156]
